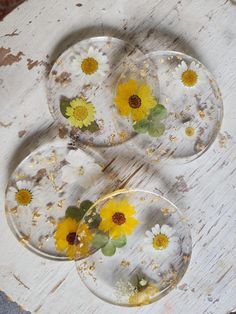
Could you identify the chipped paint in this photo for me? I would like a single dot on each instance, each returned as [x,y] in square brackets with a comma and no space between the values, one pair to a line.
[7,58]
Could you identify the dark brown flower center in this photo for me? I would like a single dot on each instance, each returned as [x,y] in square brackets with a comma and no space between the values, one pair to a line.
[134,101]
[118,218]
[72,238]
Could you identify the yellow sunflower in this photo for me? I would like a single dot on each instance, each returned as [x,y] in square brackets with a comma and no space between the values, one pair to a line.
[117,218]
[143,296]
[80,113]
[66,237]
[135,100]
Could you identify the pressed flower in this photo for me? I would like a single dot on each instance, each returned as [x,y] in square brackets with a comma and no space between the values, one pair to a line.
[80,113]
[67,239]
[81,168]
[162,239]
[117,218]
[189,131]
[23,195]
[190,77]
[134,99]
[144,296]
[91,66]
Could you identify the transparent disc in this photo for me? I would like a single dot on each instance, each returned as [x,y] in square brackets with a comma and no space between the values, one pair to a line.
[141,247]
[188,115]
[80,90]
[49,192]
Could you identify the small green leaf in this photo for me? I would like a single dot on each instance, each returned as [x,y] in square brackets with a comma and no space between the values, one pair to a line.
[93,127]
[156,130]
[74,213]
[85,205]
[93,219]
[141,126]
[158,112]
[120,242]
[109,249]
[64,102]
[99,240]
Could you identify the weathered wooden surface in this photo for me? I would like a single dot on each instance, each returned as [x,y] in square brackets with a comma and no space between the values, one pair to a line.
[31,37]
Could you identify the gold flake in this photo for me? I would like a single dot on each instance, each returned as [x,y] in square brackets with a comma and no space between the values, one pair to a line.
[173,138]
[123,135]
[150,151]
[60,203]
[124,263]
[81,171]
[24,239]
[36,214]
[20,175]
[49,205]
[155,266]
[201,114]
[143,73]
[51,220]
[186,258]
[13,210]
[165,211]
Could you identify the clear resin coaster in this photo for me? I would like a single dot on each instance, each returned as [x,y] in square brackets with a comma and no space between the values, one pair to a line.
[49,192]
[141,247]
[81,85]
[183,120]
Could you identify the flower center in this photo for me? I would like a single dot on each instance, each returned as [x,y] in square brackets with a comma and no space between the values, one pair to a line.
[189,78]
[118,218]
[23,197]
[160,242]
[134,101]
[72,238]
[189,131]
[89,66]
[80,113]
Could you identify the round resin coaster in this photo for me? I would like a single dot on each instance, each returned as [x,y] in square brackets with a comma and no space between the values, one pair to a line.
[81,85]
[188,114]
[49,192]
[141,247]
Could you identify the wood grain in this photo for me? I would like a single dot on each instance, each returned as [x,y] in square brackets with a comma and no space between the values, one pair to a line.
[204,189]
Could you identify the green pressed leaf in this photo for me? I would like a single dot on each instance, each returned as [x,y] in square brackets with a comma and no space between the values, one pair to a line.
[141,126]
[74,213]
[99,240]
[85,205]
[156,129]
[158,112]
[64,102]
[120,242]
[93,127]
[109,249]
[93,219]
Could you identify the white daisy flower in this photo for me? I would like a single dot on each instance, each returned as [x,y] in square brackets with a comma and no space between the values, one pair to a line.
[81,168]
[91,66]
[23,195]
[191,77]
[189,131]
[162,240]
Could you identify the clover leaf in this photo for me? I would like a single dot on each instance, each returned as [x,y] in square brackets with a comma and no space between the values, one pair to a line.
[120,242]
[156,129]
[93,219]
[99,240]
[78,213]
[109,249]
[64,103]
[152,125]
[141,126]
[159,112]
[93,127]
